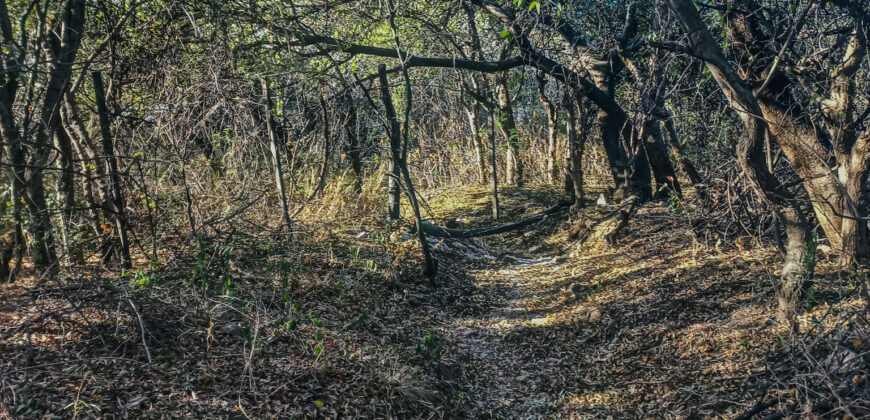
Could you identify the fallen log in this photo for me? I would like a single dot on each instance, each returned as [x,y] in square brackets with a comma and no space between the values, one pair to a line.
[443,232]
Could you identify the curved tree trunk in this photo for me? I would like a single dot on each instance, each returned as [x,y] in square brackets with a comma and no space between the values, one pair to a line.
[800,250]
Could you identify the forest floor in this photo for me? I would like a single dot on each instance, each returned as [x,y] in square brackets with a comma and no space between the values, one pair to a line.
[336,322]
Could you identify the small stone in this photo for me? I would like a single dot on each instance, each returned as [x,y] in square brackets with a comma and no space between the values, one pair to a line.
[540,321]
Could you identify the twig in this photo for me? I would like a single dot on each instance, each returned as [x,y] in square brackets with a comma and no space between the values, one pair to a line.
[141,326]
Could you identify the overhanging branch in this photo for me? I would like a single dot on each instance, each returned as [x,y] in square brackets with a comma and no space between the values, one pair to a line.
[332,44]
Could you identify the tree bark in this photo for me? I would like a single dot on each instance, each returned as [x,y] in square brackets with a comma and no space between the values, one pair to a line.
[552,117]
[114,183]
[493,162]
[508,127]
[667,184]
[276,157]
[800,250]
[399,156]
[66,192]
[351,130]
[576,145]
[473,112]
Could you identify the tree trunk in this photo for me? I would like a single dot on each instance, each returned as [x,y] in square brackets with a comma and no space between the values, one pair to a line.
[38,225]
[473,112]
[678,149]
[800,250]
[508,125]
[576,145]
[399,156]
[665,176]
[854,228]
[66,192]
[114,179]
[493,168]
[351,127]
[15,153]
[276,157]
[552,117]
[92,175]
[394,190]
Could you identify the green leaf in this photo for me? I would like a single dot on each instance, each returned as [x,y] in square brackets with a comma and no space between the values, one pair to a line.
[319,403]
[535,5]
[505,33]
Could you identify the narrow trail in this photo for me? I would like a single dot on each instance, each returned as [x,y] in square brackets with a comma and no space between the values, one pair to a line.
[656,326]
[503,376]
[503,372]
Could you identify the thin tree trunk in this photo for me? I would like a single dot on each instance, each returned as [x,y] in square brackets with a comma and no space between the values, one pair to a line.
[399,156]
[576,145]
[508,125]
[394,211]
[351,129]
[476,140]
[493,161]
[114,178]
[66,192]
[276,157]
[552,117]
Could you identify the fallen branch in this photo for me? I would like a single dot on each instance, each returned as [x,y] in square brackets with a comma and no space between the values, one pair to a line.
[584,228]
[443,232]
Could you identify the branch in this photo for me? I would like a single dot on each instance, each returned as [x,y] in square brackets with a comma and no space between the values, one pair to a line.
[410,60]
[443,232]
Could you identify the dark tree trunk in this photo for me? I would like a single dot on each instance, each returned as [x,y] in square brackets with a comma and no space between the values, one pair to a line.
[351,130]
[493,162]
[399,153]
[665,176]
[394,190]
[114,183]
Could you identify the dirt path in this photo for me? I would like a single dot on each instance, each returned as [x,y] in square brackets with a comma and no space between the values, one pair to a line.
[503,378]
[653,327]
